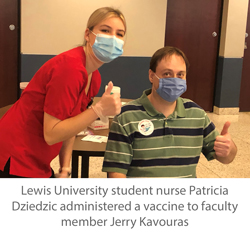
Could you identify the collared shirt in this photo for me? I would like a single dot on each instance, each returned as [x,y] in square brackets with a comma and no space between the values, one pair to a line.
[144,143]
[58,88]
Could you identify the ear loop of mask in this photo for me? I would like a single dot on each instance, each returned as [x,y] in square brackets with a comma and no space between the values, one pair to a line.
[156,76]
[94,34]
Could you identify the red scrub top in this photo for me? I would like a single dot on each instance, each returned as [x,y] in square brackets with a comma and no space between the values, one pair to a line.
[58,88]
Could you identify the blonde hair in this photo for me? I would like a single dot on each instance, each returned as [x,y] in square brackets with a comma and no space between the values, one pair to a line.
[102,14]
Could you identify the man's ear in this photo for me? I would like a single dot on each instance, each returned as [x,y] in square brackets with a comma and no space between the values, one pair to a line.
[150,75]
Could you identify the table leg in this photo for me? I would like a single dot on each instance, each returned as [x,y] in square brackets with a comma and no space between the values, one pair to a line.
[85,166]
[74,167]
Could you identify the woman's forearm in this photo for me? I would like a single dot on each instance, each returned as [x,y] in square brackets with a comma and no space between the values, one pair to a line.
[56,131]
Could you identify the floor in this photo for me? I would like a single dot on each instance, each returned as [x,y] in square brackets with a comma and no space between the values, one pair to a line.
[239,168]
[240,133]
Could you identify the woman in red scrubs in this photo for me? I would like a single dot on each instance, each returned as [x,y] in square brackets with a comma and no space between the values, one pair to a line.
[53,107]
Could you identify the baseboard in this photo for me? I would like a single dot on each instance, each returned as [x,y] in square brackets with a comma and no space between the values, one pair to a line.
[226,111]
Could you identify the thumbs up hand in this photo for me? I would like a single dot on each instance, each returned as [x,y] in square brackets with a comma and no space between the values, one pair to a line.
[223,143]
[109,105]
[109,88]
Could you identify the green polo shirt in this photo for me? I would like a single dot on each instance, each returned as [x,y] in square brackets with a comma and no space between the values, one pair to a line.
[144,143]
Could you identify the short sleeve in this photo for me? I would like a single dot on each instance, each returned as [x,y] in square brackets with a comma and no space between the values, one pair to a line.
[209,136]
[119,152]
[68,78]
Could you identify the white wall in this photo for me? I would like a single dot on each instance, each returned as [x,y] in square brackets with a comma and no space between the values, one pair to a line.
[233,28]
[53,26]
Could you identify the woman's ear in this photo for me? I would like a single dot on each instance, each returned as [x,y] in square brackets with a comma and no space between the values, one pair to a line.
[86,34]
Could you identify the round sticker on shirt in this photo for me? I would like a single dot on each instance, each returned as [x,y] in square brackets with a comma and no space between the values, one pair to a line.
[146,127]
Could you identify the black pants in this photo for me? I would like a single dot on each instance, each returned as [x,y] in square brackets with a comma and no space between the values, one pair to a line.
[6,172]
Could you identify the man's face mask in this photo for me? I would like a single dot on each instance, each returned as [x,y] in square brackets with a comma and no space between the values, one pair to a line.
[107,48]
[171,88]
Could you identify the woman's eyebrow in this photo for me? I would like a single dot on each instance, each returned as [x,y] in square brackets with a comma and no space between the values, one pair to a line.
[104,25]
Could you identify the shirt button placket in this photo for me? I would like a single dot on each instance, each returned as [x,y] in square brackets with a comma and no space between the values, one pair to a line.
[165,125]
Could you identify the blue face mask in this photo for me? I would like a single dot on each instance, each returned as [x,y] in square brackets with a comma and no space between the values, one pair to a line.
[171,88]
[107,48]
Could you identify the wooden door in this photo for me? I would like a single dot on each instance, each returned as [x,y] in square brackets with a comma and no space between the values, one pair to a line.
[194,27]
[245,79]
[9,51]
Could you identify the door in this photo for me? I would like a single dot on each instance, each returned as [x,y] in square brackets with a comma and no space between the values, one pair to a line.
[194,27]
[245,81]
[9,51]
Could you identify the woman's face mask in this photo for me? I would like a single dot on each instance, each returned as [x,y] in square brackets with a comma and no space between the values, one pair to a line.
[107,48]
[171,88]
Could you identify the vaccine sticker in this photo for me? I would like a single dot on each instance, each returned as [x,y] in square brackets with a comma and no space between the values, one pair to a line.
[146,127]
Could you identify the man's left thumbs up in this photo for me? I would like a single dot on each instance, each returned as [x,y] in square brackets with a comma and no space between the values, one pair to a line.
[225,128]
[223,142]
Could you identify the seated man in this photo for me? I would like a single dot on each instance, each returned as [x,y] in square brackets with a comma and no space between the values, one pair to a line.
[161,134]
